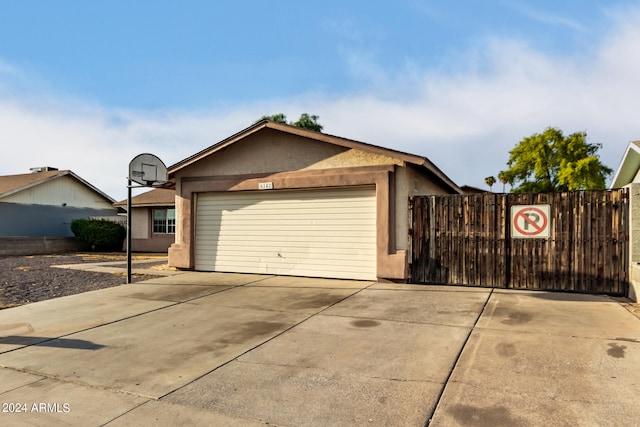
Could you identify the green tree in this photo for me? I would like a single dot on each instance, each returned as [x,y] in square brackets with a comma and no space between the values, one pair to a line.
[310,122]
[504,180]
[306,121]
[490,180]
[278,118]
[549,161]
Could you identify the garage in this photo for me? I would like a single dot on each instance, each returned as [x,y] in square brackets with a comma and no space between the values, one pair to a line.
[316,233]
[276,199]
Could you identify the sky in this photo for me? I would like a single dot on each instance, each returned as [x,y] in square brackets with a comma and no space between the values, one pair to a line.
[87,86]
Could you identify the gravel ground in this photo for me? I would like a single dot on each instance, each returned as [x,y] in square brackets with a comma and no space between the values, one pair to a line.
[25,279]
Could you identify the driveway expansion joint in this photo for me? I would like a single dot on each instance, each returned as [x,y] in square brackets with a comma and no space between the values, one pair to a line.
[457,359]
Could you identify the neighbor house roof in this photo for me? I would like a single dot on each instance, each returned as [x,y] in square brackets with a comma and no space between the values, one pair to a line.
[155,197]
[418,161]
[468,189]
[629,166]
[12,184]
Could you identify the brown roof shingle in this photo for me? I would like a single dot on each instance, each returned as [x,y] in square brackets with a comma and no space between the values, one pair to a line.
[14,183]
[155,197]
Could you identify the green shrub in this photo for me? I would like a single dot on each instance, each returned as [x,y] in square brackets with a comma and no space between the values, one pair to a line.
[101,234]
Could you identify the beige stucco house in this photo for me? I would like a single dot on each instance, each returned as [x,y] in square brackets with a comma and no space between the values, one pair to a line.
[153,220]
[277,199]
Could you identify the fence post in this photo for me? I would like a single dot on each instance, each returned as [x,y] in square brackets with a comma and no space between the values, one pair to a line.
[507,241]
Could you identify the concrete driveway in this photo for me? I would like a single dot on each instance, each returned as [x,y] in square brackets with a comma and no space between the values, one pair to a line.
[231,349]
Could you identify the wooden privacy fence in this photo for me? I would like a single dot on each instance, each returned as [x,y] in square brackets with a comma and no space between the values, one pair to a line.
[573,241]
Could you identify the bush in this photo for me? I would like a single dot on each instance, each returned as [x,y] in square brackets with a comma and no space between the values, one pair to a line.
[101,234]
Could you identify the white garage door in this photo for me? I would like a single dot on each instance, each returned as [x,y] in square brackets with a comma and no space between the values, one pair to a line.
[316,233]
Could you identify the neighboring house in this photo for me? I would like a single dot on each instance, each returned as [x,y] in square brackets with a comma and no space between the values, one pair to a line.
[628,175]
[468,189]
[277,199]
[44,202]
[153,220]
[629,170]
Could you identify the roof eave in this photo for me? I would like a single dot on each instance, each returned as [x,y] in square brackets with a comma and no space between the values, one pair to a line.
[144,205]
[629,166]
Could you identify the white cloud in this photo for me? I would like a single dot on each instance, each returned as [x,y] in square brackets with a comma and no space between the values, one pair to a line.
[98,145]
[550,19]
[465,121]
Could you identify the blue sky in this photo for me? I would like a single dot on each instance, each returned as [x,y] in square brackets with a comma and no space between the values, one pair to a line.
[87,86]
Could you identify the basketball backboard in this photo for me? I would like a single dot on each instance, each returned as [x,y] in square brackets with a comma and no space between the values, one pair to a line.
[148,170]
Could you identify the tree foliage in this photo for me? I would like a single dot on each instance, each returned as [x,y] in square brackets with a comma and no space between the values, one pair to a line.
[310,122]
[306,121]
[502,177]
[278,118]
[490,180]
[549,162]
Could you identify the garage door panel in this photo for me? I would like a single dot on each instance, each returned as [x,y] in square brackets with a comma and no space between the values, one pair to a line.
[322,233]
[278,229]
[258,220]
[298,217]
[297,247]
[350,237]
[274,214]
[311,258]
[269,266]
[325,264]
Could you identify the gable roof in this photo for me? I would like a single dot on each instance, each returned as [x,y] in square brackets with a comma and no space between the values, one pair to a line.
[469,189]
[629,166]
[155,197]
[415,160]
[12,184]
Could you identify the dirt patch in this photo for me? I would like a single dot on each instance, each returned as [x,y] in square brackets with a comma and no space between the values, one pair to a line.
[634,308]
[25,279]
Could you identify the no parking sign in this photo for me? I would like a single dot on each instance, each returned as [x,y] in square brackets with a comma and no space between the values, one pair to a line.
[530,221]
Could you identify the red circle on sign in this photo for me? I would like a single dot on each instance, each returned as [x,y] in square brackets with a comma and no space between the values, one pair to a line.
[538,228]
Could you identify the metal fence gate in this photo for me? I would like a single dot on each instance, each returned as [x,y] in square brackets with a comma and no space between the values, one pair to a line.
[572,241]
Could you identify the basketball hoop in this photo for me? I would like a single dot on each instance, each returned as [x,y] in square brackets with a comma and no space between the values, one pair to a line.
[146,170]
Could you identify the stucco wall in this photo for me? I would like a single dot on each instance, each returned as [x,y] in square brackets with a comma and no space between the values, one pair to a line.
[634,222]
[157,243]
[409,182]
[634,282]
[634,240]
[273,151]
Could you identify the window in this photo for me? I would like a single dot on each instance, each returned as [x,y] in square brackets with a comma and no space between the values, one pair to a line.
[164,221]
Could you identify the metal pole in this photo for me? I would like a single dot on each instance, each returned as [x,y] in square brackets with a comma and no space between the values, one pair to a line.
[128,231]
[507,241]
